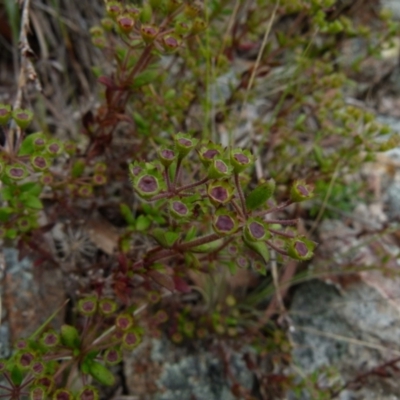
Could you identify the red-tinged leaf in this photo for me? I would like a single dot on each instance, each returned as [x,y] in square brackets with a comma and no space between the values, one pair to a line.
[162,279]
[123,262]
[107,82]
[181,285]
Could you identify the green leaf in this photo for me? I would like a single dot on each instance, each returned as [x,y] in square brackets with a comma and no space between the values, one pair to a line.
[27,147]
[127,214]
[145,78]
[142,223]
[208,247]
[70,336]
[191,234]
[5,213]
[171,238]
[31,187]
[31,201]
[261,248]
[101,373]
[16,375]
[11,233]
[259,196]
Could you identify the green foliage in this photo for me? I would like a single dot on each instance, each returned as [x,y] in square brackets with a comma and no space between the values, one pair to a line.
[198,211]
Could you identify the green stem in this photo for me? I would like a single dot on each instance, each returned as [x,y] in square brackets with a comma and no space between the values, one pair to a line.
[199,241]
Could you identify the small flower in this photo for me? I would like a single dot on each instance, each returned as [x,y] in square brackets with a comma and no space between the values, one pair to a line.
[300,191]
[219,169]
[99,179]
[46,179]
[38,368]
[22,117]
[25,359]
[112,356]
[5,114]
[179,209]
[85,191]
[39,163]
[114,8]
[38,393]
[170,43]
[88,393]
[62,394]
[107,24]
[126,23]
[167,156]
[130,340]
[241,159]
[87,306]
[147,186]
[224,224]
[184,144]
[70,148]
[16,172]
[149,32]
[124,322]
[53,148]
[133,12]
[199,25]
[208,152]
[300,248]
[220,192]
[255,230]
[107,306]
[50,339]
[182,27]
[173,5]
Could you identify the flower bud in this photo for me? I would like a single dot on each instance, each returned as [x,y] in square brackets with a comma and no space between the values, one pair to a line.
[46,382]
[5,113]
[199,25]
[148,32]
[99,180]
[146,13]
[173,5]
[46,179]
[170,43]
[192,9]
[114,8]
[24,224]
[112,356]
[39,143]
[96,31]
[182,27]
[87,306]
[177,337]
[224,224]
[300,248]
[16,172]
[88,393]
[107,24]
[300,191]
[22,117]
[126,23]
[99,42]
[220,192]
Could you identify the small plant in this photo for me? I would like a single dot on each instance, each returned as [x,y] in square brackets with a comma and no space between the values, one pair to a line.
[185,196]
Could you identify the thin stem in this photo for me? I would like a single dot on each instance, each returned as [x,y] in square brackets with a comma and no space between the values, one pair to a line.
[282,221]
[241,195]
[192,185]
[284,234]
[199,241]
[167,179]
[273,209]
[277,249]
